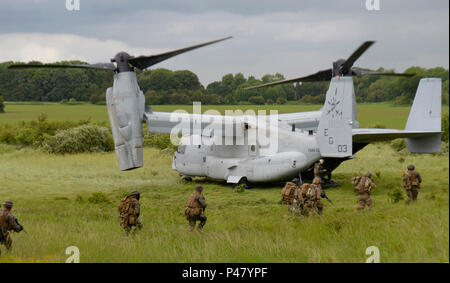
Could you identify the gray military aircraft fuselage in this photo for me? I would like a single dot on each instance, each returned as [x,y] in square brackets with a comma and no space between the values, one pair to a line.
[297,152]
[297,140]
[332,133]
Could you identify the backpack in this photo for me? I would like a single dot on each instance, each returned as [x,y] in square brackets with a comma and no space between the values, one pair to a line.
[355,180]
[411,179]
[311,193]
[193,206]
[3,226]
[125,206]
[288,192]
[362,184]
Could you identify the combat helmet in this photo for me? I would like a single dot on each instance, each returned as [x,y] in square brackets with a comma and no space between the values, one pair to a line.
[135,194]
[411,167]
[368,174]
[198,188]
[8,204]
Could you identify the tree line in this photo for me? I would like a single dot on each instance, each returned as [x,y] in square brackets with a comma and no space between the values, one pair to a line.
[163,86]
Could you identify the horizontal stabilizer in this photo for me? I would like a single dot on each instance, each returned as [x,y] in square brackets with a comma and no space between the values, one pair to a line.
[376,135]
[422,133]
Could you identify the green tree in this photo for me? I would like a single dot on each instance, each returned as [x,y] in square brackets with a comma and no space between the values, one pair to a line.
[229,99]
[258,100]
[158,80]
[179,98]
[186,80]
[281,100]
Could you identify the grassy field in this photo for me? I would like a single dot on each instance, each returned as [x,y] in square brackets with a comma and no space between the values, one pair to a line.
[368,114]
[72,200]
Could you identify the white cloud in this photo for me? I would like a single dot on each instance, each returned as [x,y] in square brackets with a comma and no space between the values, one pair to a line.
[57,47]
[291,41]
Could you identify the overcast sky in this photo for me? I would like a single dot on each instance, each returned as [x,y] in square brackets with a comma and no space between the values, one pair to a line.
[292,37]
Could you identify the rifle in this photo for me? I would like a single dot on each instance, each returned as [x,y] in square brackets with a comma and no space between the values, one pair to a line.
[324,195]
[18,224]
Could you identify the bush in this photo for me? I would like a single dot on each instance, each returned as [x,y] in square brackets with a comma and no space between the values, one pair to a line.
[33,133]
[2,104]
[401,100]
[281,100]
[395,195]
[258,100]
[160,141]
[444,148]
[445,127]
[71,101]
[179,99]
[398,144]
[309,99]
[85,138]
[97,99]
[239,189]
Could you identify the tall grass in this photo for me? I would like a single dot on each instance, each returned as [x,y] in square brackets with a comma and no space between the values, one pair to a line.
[72,200]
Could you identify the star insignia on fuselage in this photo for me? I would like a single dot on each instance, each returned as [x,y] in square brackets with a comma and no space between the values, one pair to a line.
[333,103]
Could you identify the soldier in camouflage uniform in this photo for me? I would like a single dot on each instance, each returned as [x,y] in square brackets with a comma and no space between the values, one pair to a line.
[130,210]
[8,223]
[291,195]
[363,187]
[320,171]
[299,202]
[195,209]
[411,183]
[313,202]
[287,193]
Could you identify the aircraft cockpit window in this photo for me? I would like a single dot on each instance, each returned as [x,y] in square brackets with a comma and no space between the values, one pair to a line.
[181,149]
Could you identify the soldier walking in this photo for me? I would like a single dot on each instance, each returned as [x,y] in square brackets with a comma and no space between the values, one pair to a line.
[195,209]
[293,196]
[300,198]
[287,193]
[320,171]
[8,223]
[411,183]
[130,210]
[363,187]
[313,202]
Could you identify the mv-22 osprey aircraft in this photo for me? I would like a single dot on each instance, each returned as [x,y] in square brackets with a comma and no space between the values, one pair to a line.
[232,148]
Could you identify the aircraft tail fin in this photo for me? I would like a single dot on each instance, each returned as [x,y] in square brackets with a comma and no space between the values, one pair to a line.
[334,133]
[425,115]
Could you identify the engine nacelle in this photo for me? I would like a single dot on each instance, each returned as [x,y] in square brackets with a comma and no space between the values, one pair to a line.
[126,106]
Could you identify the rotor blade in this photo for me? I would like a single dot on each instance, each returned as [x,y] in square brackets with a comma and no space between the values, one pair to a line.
[324,75]
[352,59]
[98,66]
[363,73]
[143,62]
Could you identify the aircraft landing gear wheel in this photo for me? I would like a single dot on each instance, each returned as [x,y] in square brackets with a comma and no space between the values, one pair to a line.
[186,179]
[242,181]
